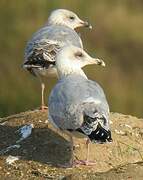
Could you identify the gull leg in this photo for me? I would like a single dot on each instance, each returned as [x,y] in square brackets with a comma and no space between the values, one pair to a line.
[87,146]
[43,107]
[86,162]
[72,149]
[75,162]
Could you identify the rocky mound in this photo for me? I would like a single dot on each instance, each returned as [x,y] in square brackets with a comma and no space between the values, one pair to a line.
[37,151]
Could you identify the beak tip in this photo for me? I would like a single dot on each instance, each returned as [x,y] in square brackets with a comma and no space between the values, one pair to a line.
[86,24]
[103,64]
[90,27]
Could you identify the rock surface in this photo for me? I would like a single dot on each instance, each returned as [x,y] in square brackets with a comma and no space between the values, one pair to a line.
[42,153]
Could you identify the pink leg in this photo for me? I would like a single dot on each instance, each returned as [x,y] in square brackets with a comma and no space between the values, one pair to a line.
[43,107]
[77,162]
[85,162]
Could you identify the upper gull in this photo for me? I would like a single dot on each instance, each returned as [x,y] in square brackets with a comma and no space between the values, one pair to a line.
[42,48]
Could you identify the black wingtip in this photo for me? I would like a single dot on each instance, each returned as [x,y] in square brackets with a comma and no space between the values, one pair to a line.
[100,135]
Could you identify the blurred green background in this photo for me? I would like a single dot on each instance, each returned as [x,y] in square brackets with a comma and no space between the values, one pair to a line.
[117,37]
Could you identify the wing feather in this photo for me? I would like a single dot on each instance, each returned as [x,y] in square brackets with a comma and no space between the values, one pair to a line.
[42,54]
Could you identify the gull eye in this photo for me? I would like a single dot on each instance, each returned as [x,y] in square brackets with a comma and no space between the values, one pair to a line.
[72,17]
[79,54]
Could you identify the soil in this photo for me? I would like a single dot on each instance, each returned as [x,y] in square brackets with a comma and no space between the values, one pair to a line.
[43,154]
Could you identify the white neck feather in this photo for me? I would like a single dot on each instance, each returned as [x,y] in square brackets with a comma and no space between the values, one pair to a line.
[65,74]
[65,70]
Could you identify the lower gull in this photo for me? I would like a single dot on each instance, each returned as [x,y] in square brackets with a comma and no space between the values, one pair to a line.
[78,105]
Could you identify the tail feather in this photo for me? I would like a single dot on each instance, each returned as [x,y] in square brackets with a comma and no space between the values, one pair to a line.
[96,129]
[38,60]
[37,63]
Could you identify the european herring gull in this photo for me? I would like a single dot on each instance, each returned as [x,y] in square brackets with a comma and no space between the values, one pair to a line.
[77,104]
[45,43]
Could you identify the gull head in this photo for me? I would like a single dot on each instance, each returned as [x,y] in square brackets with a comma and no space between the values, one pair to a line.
[71,59]
[66,18]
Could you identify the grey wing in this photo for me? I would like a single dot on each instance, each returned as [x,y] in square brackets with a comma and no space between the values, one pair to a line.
[92,107]
[56,107]
[64,34]
[63,110]
[96,105]
[96,123]
[41,50]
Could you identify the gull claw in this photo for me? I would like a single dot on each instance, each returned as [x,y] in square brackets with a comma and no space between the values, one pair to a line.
[43,108]
[84,163]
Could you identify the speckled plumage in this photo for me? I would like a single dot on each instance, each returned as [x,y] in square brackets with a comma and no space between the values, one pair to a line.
[45,44]
[41,49]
